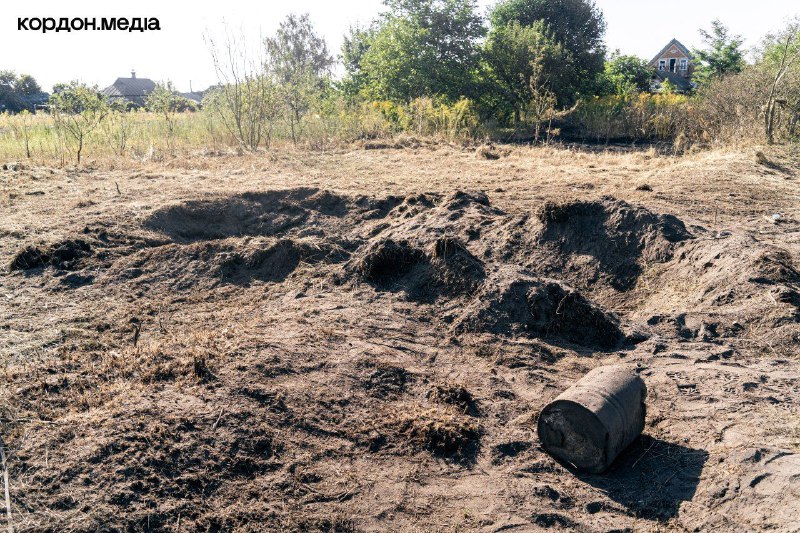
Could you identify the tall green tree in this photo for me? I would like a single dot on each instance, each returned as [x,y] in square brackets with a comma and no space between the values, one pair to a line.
[626,74]
[299,60]
[723,54]
[522,63]
[577,25]
[423,48]
[355,44]
[19,92]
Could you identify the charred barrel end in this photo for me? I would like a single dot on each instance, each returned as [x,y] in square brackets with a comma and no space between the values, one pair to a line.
[593,421]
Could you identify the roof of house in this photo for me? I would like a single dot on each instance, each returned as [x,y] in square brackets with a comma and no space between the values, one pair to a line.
[680,83]
[128,87]
[663,51]
[194,96]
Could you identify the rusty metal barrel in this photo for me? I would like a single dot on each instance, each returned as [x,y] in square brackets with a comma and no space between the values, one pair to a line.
[593,421]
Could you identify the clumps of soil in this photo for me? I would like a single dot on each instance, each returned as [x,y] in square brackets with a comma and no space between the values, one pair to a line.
[291,212]
[446,268]
[604,241]
[456,270]
[774,266]
[269,261]
[442,432]
[63,255]
[386,261]
[386,380]
[724,288]
[452,394]
[514,304]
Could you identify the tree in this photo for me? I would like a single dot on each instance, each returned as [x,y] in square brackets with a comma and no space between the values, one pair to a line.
[78,109]
[245,98]
[300,63]
[625,74]
[166,102]
[354,46]
[523,64]
[781,59]
[722,55]
[19,92]
[423,48]
[577,25]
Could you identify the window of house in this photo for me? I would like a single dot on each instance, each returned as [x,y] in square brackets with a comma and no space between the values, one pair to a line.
[684,64]
[662,64]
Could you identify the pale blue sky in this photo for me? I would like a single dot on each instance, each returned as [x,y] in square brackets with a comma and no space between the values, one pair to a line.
[178,52]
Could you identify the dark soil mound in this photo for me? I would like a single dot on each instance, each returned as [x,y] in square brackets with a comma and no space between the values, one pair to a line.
[447,268]
[456,270]
[514,304]
[251,214]
[385,262]
[726,287]
[606,240]
[229,261]
[63,255]
[268,262]
[775,266]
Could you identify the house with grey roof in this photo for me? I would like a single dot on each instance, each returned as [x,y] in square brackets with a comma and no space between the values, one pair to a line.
[131,91]
[674,64]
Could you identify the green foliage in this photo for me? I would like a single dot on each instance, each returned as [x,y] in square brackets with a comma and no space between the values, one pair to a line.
[653,117]
[523,62]
[19,92]
[781,64]
[422,48]
[166,102]
[78,109]
[299,61]
[432,117]
[355,45]
[577,25]
[722,55]
[625,74]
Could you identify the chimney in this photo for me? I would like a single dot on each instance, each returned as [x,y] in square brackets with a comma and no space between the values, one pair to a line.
[133,74]
[190,86]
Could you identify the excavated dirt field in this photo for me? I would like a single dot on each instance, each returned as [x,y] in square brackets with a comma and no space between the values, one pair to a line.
[361,340]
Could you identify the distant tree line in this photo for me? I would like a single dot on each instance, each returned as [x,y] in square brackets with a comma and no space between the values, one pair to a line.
[438,66]
[19,92]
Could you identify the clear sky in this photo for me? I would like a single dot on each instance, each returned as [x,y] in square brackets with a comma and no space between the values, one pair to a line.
[179,53]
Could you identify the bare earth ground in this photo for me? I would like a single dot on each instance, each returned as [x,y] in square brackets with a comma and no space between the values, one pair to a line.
[362,340]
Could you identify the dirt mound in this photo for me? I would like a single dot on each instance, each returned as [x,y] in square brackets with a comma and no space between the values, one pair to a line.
[215,262]
[725,287]
[272,213]
[63,255]
[385,262]
[513,304]
[445,268]
[605,241]
[269,261]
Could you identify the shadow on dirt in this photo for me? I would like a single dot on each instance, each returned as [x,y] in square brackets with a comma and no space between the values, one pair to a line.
[247,214]
[652,478]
